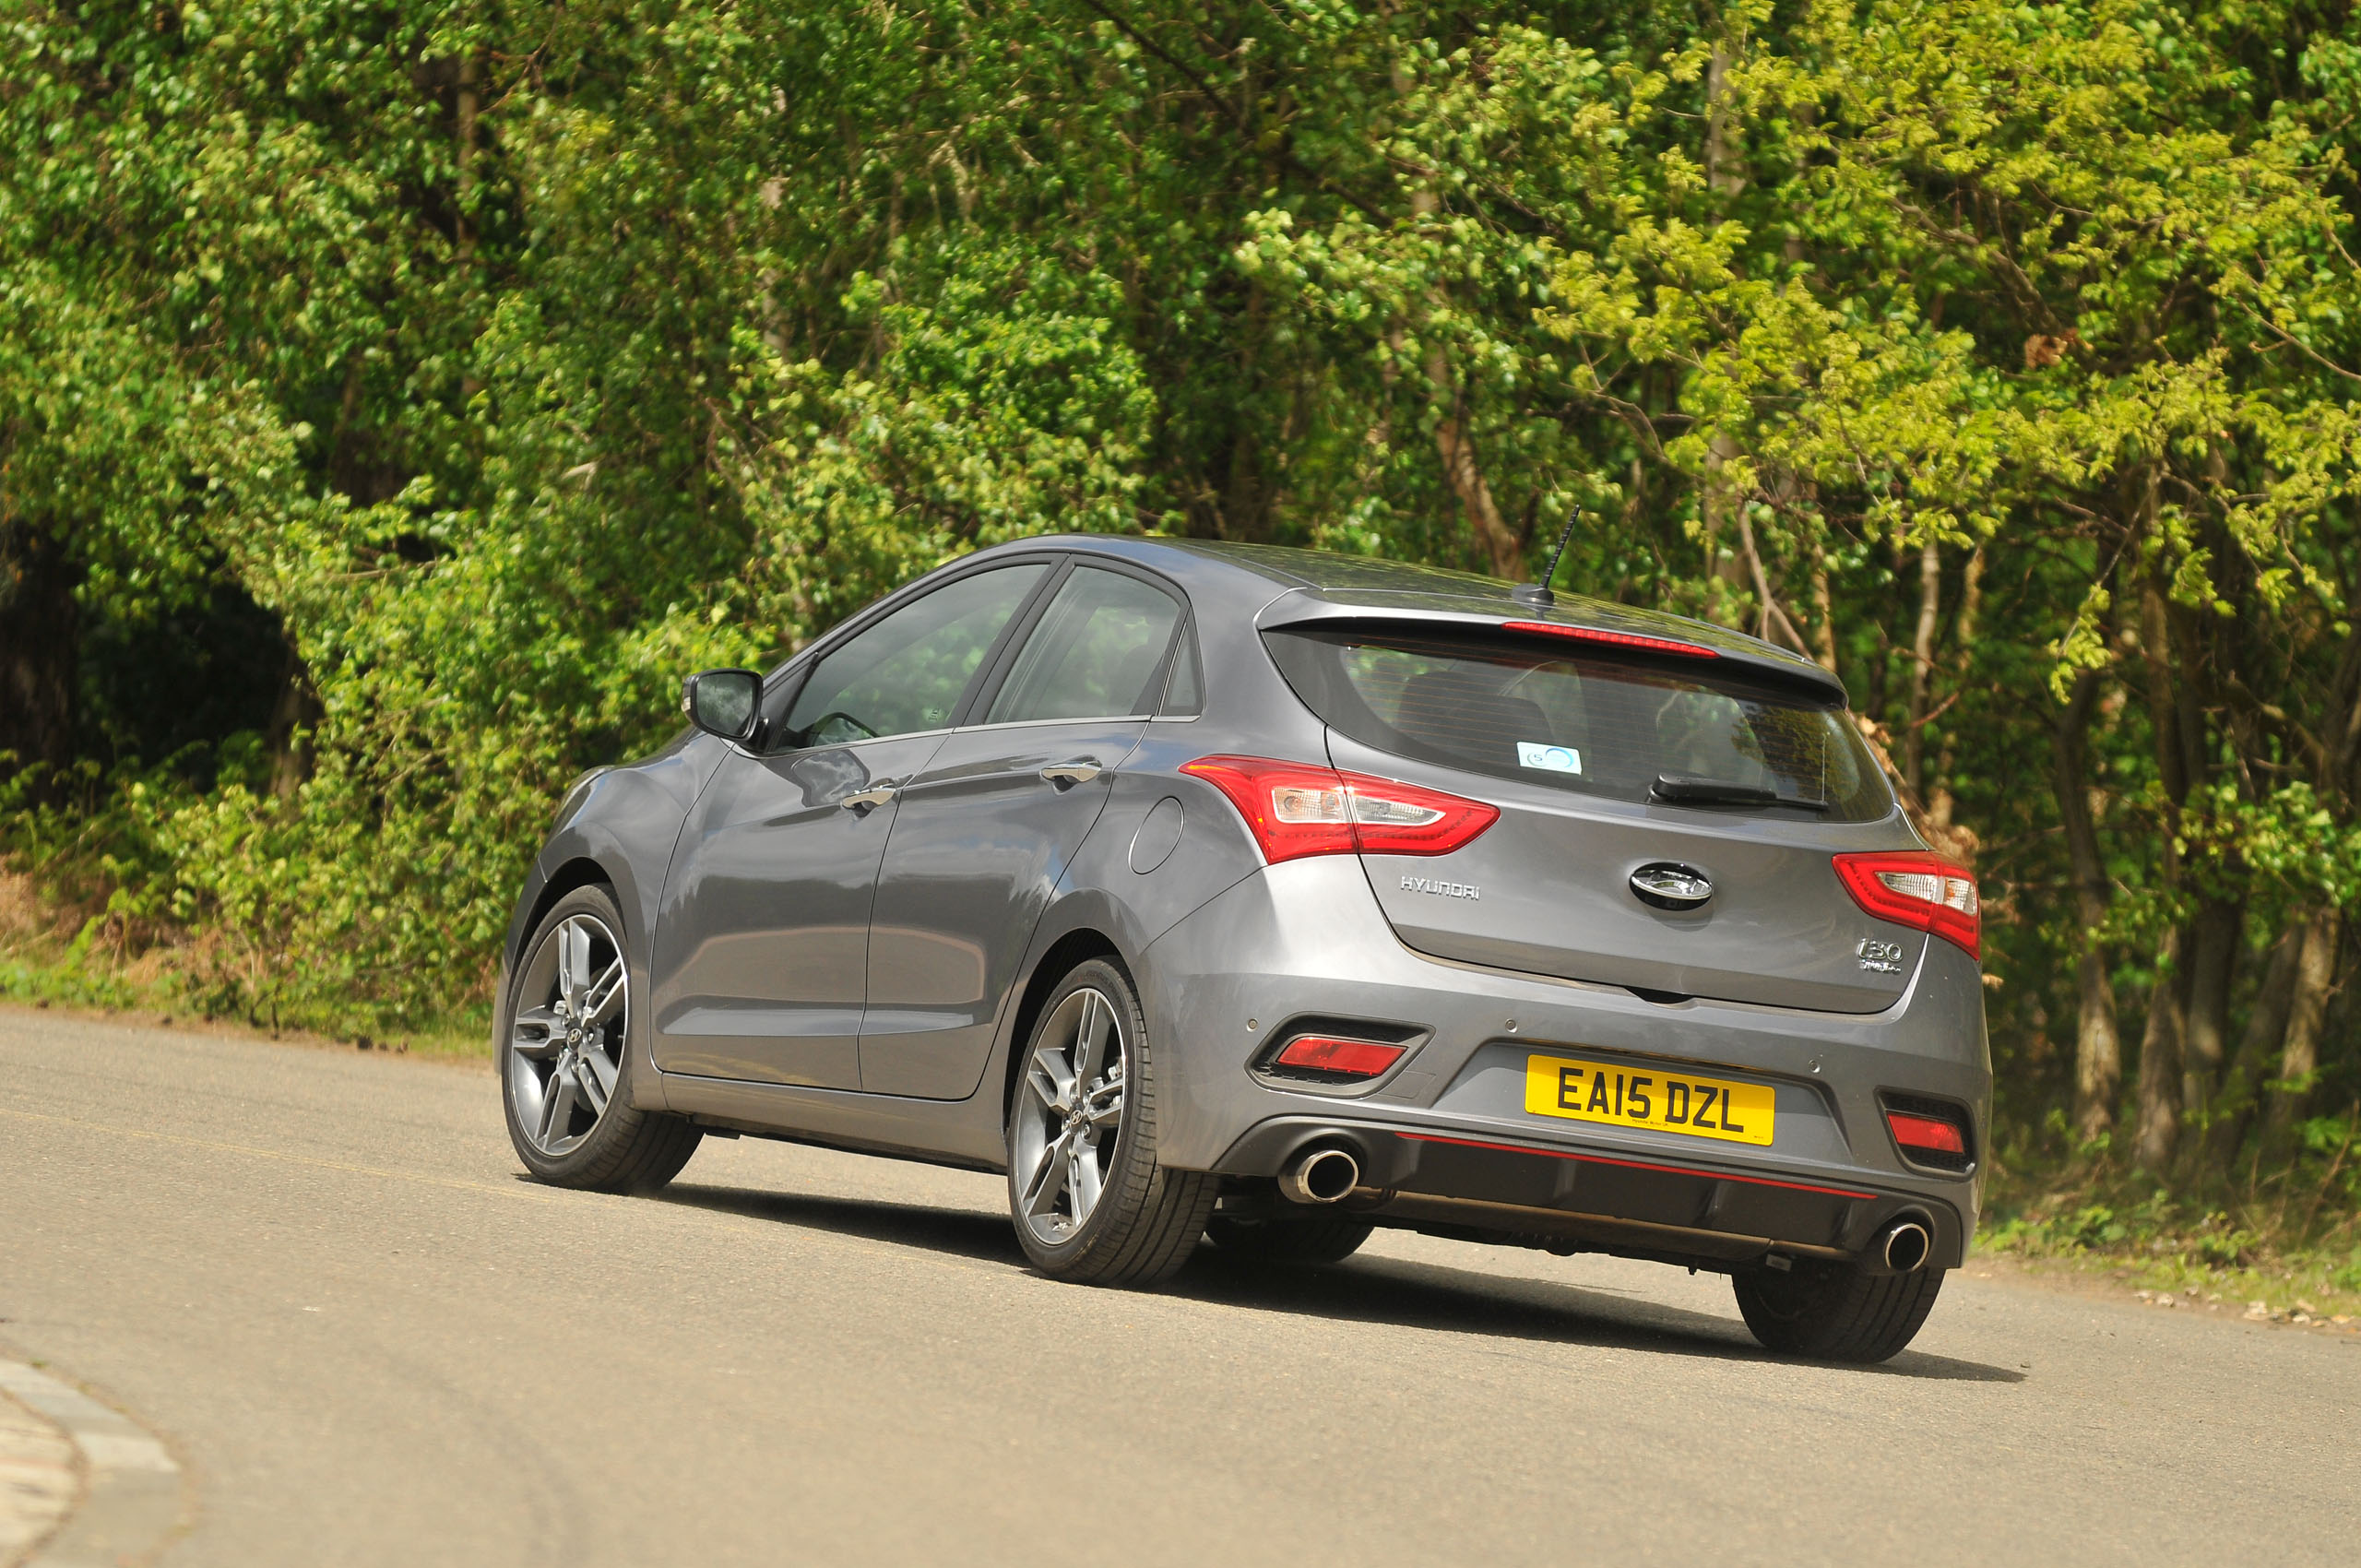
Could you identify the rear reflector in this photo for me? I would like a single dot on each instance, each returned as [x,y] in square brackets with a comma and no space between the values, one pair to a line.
[1611,639]
[1346,1058]
[1294,809]
[1925,1133]
[1922,891]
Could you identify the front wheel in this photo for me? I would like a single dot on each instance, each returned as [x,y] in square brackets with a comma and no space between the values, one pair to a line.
[565,1057]
[1835,1311]
[1090,1201]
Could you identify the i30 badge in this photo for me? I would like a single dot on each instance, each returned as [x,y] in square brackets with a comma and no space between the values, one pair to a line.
[1880,957]
[1669,886]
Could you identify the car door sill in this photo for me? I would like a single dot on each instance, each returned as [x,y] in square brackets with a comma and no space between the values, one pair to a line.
[963,1135]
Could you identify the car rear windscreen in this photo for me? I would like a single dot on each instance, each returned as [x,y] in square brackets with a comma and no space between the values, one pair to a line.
[1522,707]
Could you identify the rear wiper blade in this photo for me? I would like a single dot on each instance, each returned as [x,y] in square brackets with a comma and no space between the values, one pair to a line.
[1688,789]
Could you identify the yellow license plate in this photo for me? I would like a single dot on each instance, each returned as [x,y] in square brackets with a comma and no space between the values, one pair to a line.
[1667,1102]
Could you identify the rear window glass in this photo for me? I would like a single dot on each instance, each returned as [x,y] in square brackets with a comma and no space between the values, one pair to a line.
[1519,709]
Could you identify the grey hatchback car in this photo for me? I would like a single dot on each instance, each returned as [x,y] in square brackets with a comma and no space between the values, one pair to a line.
[1267,897]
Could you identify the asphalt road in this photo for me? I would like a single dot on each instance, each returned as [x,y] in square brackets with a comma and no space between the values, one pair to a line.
[319,1277]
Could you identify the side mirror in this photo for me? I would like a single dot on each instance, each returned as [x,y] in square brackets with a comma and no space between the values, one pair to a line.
[722,701]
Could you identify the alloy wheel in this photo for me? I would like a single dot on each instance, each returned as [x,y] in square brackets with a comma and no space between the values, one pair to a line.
[1069,1114]
[567,1045]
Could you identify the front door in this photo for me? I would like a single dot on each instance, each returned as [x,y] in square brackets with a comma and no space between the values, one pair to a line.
[762,944]
[984,833]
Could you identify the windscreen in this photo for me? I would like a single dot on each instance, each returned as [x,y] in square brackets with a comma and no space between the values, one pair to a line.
[1519,707]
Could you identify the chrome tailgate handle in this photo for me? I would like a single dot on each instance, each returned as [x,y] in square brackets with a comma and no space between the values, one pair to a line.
[1066,775]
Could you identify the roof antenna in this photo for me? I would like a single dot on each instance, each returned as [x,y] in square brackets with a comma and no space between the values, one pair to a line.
[1538,593]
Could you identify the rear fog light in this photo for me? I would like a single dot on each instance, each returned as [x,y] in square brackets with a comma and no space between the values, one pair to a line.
[1343,1058]
[1929,1135]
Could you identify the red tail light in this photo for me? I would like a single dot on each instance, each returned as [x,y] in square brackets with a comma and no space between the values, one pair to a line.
[1611,639]
[1346,1058]
[1922,891]
[1925,1133]
[1295,810]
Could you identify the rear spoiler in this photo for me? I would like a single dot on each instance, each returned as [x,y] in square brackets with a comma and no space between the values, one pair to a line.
[1595,628]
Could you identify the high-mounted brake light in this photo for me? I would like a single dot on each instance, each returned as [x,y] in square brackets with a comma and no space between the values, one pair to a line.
[1611,639]
[1295,810]
[1346,1058]
[1922,891]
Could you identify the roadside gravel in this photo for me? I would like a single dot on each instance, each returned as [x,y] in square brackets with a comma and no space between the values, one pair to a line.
[37,1480]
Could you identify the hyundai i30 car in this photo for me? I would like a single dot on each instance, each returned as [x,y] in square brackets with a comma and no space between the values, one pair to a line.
[1263,897]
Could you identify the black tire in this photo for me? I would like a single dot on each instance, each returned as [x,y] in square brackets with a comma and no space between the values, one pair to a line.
[626,1149]
[1290,1239]
[1835,1311]
[1147,1220]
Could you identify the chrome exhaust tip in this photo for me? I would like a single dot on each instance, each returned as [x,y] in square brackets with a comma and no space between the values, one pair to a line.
[1321,1176]
[1903,1246]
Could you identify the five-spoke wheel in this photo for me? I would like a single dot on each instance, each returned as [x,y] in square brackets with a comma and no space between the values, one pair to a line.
[1091,1202]
[565,1057]
[1068,1115]
[570,1044]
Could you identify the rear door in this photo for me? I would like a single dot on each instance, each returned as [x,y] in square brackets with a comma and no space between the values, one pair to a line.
[1569,746]
[984,832]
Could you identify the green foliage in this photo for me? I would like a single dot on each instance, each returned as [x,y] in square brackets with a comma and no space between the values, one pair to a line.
[451,382]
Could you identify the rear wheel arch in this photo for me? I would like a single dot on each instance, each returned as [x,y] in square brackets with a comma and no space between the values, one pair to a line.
[1074,949]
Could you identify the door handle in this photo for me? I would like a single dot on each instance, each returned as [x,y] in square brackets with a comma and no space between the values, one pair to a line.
[875,795]
[1066,775]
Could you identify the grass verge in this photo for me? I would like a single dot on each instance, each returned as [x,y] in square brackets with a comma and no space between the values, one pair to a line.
[2286,1246]
[51,955]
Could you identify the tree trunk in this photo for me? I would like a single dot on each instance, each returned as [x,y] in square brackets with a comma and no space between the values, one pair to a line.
[1454,443]
[1725,172]
[465,154]
[2235,1100]
[2161,1041]
[1823,631]
[2098,1049]
[1457,450]
[293,719]
[2160,1058]
[1726,178]
[1922,664]
[1958,839]
[2299,1054]
[39,641]
[2205,1036]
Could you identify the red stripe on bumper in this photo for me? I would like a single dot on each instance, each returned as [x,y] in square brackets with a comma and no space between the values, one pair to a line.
[1637,1165]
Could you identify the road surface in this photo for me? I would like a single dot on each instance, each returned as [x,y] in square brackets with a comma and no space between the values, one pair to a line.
[319,1277]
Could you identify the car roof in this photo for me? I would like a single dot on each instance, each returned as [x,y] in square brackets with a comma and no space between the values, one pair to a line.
[1290,584]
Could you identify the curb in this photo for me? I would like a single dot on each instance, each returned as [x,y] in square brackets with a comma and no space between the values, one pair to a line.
[131,1486]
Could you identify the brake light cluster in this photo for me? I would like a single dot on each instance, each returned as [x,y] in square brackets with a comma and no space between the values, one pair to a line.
[1922,891]
[1295,810]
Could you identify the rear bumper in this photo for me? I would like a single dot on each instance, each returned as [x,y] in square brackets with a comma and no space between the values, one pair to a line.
[1445,1138]
[1589,1201]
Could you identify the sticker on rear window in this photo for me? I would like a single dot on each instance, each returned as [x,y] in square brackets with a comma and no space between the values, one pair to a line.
[1553,759]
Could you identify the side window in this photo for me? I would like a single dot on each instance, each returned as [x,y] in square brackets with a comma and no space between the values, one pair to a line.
[907,672]
[1097,652]
[1184,689]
